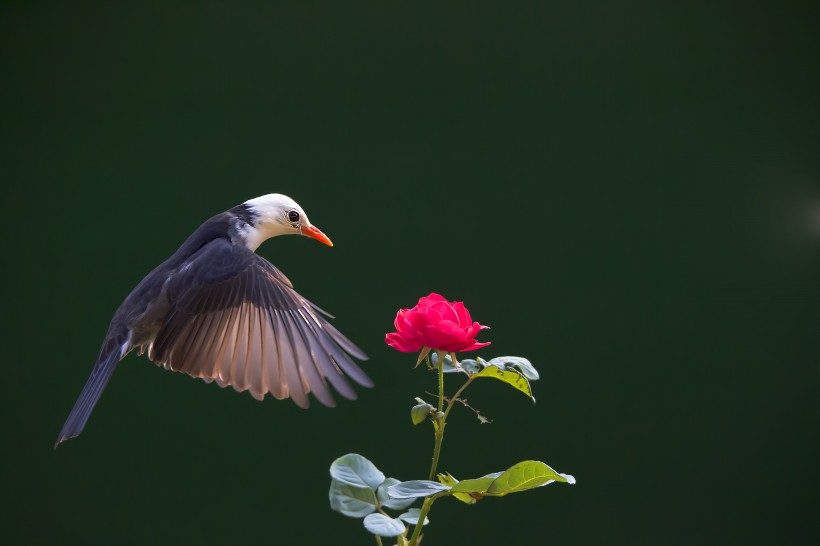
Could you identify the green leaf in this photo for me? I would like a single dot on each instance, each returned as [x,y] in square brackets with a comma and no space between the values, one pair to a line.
[519,477]
[477,485]
[412,517]
[514,379]
[526,475]
[385,500]
[356,470]
[415,489]
[351,500]
[448,479]
[516,363]
[384,526]
[467,365]
[420,412]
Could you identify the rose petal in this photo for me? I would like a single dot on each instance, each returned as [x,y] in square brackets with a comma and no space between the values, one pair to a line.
[405,325]
[400,318]
[428,301]
[401,344]
[473,347]
[419,318]
[444,333]
[445,311]
[473,330]
[464,319]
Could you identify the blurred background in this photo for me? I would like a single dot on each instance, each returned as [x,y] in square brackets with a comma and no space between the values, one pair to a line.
[628,193]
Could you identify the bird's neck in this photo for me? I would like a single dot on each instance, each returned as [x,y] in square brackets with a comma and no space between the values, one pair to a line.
[252,225]
[252,236]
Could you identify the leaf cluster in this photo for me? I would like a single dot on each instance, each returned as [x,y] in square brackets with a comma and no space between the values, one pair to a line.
[359,489]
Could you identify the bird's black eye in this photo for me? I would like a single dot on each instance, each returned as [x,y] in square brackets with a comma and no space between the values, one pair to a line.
[293,216]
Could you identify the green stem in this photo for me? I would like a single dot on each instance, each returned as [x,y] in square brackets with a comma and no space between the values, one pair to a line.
[438,424]
[378,540]
[437,449]
[425,508]
[440,380]
[439,428]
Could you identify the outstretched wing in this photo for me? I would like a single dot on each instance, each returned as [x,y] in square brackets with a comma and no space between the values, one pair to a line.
[236,319]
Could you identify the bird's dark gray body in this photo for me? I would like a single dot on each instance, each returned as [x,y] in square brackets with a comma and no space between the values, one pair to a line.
[218,311]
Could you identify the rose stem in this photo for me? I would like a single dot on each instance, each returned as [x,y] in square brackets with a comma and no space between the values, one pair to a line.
[425,508]
[439,428]
[438,425]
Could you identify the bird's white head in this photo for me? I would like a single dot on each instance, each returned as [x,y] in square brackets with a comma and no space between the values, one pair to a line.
[276,214]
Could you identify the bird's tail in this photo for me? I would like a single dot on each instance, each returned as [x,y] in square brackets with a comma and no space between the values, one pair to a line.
[88,398]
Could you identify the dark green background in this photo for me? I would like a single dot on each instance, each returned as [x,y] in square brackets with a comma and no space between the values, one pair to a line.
[626,192]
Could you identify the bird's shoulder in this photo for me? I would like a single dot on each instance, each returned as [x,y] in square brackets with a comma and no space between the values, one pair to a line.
[221,261]
[211,239]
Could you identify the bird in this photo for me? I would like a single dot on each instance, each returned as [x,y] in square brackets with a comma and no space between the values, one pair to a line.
[218,311]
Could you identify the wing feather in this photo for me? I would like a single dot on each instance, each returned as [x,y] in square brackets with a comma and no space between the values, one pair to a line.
[236,319]
[289,361]
[256,373]
[327,356]
[277,385]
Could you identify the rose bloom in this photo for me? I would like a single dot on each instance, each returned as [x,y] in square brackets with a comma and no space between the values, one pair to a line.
[437,324]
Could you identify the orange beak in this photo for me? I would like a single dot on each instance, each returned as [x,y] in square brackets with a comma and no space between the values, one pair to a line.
[316,233]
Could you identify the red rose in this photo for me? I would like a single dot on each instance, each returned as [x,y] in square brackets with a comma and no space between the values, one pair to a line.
[437,324]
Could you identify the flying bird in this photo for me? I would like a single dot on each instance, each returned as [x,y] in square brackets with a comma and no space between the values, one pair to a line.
[218,311]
